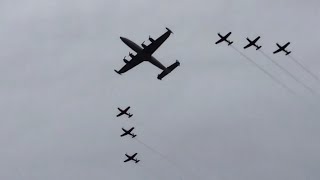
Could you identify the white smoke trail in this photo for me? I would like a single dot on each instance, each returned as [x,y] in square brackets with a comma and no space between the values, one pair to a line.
[287,72]
[150,171]
[263,70]
[304,68]
[167,159]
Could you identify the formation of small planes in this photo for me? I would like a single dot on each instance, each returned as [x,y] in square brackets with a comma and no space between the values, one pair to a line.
[145,52]
[253,43]
[127,132]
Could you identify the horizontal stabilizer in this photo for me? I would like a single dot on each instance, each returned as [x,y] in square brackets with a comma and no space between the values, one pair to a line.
[168,70]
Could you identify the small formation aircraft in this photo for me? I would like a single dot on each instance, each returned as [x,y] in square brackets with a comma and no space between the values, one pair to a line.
[122,112]
[131,158]
[128,132]
[253,43]
[282,48]
[145,54]
[224,38]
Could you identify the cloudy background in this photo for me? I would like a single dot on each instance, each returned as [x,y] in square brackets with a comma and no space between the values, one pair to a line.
[214,117]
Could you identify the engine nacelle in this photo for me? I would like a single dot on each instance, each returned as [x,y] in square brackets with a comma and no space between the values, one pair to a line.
[131,55]
[143,45]
[150,38]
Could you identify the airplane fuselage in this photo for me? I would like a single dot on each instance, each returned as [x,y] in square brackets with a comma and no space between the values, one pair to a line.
[142,54]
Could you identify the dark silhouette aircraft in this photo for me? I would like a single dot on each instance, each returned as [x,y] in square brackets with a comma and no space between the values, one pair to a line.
[122,112]
[282,48]
[145,54]
[131,158]
[224,38]
[128,132]
[253,43]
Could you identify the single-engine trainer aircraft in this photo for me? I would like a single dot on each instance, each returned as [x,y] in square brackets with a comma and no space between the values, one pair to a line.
[253,43]
[122,112]
[128,132]
[145,54]
[131,158]
[283,48]
[224,38]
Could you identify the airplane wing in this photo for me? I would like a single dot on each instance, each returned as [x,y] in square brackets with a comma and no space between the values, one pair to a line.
[130,64]
[134,155]
[127,109]
[256,39]
[155,44]
[276,51]
[124,134]
[219,41]
[247,46]
[128,158]
[286,45]
[120,114]
[227,35]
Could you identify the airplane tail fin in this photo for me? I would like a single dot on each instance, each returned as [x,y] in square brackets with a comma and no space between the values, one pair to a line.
[130,115]
[168,70]
[259,47]
[117,72]
[134,135]
[287,53]
[137,161]
[230,43]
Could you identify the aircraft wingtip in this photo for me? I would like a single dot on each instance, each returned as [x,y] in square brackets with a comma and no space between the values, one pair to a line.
[169,30]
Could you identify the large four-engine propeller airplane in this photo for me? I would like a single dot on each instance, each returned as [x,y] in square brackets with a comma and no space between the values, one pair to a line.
[282,48]
[131,158]
[253,43]
[224,38]
[125,111]
[128,132]
[145,54]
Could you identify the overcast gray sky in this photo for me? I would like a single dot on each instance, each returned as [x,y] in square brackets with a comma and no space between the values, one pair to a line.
[216,116]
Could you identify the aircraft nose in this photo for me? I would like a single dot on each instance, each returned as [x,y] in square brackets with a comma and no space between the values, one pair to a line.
[122,38]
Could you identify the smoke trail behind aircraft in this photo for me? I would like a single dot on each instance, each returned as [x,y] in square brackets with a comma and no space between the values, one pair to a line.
[304,68]
[265,71]
[166,158]
[287,72]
